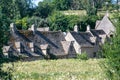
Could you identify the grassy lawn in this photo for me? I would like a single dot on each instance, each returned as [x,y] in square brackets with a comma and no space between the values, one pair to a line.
[63,69]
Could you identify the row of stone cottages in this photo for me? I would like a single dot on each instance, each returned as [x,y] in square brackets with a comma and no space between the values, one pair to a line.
[37,43]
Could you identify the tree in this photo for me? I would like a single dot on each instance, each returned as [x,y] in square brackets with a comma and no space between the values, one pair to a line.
[44,9]
[58,21]
[111,51]
[62,4]
[24,7]
[92,6]
[16,8]
[4,32]
[38,21]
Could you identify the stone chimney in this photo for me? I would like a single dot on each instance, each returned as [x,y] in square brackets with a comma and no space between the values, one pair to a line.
[88,28]
[33,28]
[107,13]
[76,28]
[13,27]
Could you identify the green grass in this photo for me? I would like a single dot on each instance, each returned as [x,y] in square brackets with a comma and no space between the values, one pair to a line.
[63,69]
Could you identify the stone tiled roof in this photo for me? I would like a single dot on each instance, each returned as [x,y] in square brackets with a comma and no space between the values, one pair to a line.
[98,32]
[97,23]
[106,25]
[52,38]
[81,40]
[89,37]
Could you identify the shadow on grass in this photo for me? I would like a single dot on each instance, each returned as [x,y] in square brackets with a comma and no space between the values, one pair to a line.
[6,75]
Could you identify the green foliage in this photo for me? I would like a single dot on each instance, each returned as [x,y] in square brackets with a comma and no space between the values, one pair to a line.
[44,9]
[111,50]
[38,21]
[4,36]
[52,56]
[16,8]
[87,20]
[62,4]
[82,56]
[59,21]
[22,23]
[26,22]
[4,30]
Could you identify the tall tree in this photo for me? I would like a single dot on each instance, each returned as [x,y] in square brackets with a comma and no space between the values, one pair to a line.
[111,50]
[16,8]
[23,6]
[62,4]
[92,6]
[4,23]
[44,9]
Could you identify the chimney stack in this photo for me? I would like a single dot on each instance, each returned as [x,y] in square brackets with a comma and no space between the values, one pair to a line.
[76,28]
[13,27]
[88,28]
[33,28]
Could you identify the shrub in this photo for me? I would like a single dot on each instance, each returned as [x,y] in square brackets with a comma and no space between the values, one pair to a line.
[40,22]
[111,51]
[22,23]
[82,56]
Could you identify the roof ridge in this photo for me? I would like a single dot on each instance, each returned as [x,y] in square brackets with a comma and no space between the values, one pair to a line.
[86,40]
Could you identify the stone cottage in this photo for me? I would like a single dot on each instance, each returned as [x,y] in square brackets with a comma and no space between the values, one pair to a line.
[106,25]
[38,43]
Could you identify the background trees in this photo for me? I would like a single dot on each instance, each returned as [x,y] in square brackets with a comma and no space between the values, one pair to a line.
[22,11]
[44,9]
[4,33]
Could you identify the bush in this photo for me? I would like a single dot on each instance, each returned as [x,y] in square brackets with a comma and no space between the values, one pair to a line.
[59,21]
[111,51]
[82,56]
[22,23]
[40,22]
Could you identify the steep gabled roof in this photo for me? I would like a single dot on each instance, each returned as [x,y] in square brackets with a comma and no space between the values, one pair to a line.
[66,46]
[6,48]
[97,33]
[44,46]
[106,25]
[97,23]
[88,36]
[82,42]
